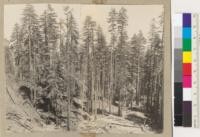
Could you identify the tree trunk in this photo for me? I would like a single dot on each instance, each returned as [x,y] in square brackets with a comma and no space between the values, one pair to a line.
[119,104]
[69,98]
[138,82]
[68,68]
[111,81]
[99,90]
[103,88]
[81,86]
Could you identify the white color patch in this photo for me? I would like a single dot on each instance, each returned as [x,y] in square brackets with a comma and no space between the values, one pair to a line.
[177,20]
[187,94]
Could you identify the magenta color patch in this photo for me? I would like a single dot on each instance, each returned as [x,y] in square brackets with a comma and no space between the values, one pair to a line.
[187,81]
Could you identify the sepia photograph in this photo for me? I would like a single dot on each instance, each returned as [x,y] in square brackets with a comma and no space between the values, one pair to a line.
[84,67]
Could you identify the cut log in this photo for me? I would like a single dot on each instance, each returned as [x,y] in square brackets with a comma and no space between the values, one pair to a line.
[10,95]
[125,125]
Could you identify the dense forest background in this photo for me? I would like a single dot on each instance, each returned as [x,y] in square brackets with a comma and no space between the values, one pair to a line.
[81,74]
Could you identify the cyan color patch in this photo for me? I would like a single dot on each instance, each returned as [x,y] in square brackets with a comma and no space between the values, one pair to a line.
[187,33]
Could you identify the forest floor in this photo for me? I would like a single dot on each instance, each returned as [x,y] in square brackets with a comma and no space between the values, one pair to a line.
[111,124]
[21,116]
[130,122]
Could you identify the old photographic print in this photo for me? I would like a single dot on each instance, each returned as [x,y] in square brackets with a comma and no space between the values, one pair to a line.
[84,68]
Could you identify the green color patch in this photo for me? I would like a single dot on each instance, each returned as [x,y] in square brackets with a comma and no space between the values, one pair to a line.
[187,44]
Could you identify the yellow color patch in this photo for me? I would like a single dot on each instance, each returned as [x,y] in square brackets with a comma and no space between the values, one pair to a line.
[187,57]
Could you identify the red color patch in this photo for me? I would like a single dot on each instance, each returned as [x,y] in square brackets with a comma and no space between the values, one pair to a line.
[187,71]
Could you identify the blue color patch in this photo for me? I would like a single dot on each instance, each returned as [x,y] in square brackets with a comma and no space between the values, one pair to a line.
[186,19]
[187,33]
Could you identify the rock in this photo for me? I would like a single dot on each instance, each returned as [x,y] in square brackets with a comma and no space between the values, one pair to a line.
[77,102]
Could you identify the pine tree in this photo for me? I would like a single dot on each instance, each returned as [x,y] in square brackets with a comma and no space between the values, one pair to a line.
[31,39]
[121,56]
[88,39]
[101,53]
[153,67]
[9,60]
[70,57]
[49,28]
[16,47]
[112,20]
[161,70]
[137,46]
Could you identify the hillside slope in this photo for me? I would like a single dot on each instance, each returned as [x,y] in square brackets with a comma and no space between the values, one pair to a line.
[20,114]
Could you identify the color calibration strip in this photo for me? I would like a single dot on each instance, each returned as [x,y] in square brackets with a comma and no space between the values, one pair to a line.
[187,73]
[178,90]
[183,70]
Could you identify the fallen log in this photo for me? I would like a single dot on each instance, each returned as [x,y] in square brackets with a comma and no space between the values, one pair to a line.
[125,125]
[23,125]
[10,95]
